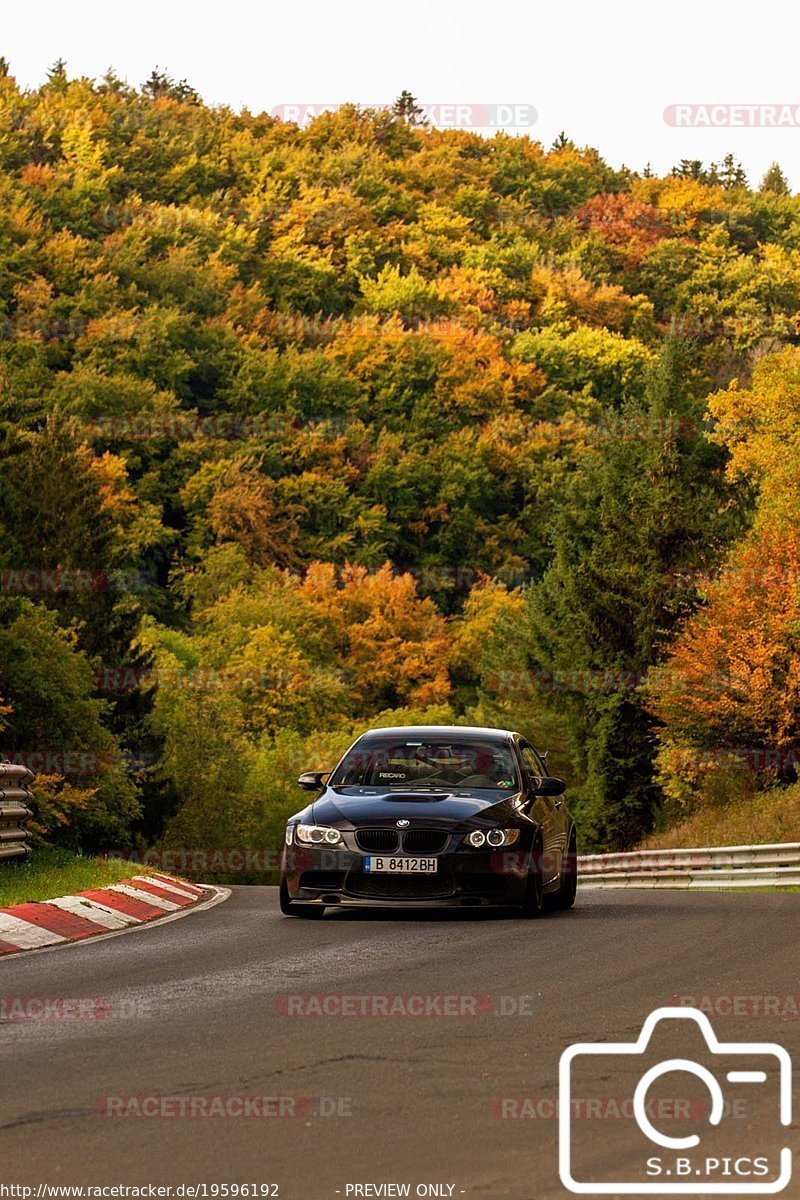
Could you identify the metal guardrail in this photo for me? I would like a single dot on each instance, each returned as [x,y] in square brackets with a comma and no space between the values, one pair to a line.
[776,865]
[14,811]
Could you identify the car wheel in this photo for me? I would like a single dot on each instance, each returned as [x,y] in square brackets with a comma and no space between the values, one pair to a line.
[290,908]
[565,896]
[533,902]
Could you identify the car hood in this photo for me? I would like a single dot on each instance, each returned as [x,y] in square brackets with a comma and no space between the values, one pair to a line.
[351,806]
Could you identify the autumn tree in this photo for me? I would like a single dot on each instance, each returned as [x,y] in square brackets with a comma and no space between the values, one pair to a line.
[759,426]
[728,694]
[392,644]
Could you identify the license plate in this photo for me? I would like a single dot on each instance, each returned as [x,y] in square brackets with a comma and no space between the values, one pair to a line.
[376,864]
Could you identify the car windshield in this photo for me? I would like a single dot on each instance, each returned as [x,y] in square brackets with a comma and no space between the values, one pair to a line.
[417,763]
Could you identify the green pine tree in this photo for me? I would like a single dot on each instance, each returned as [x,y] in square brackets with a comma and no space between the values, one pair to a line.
[689,168]
[642,508]
[406,109]
[731,173]
[57,75]
[159,85]
[775,181]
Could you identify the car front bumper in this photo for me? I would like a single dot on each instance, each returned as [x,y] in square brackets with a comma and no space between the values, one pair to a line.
[464,878]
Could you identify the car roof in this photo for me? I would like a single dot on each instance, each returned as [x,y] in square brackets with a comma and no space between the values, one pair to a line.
[401,731]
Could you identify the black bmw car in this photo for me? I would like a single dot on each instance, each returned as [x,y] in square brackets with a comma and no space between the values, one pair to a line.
[432,816]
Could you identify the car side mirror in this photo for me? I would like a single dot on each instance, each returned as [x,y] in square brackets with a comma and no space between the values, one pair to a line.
[313,781]
[548,785]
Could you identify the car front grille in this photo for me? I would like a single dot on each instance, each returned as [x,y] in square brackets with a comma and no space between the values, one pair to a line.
[377,841]
[400,887]
[424,841]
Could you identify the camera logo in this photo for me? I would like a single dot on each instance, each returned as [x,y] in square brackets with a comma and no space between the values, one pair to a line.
[702,1153]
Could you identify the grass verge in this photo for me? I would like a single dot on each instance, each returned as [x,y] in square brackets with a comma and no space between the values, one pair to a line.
[765,817]
[49,872]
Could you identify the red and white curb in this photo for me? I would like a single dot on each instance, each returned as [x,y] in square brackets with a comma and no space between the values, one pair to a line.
[101,911]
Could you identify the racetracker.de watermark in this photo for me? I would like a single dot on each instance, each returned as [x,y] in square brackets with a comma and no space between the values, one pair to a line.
[434,1004]
[778,1006]
[608,1108]
[70,1008]
[441,115]
[57,581]
[733,116]
[224,1107]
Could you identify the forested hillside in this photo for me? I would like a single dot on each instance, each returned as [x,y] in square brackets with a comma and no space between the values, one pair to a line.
[307,430]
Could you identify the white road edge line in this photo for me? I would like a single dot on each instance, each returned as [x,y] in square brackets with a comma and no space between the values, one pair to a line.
[220,895]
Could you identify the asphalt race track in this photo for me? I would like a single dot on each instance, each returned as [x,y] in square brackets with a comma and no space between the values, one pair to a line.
[199,1007]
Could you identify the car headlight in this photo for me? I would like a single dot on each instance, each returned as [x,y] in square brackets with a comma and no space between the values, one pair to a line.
[494,838]
[318,835]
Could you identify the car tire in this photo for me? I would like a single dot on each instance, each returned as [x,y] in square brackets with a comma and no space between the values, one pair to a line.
[533,903]
[290,908]
[567,889]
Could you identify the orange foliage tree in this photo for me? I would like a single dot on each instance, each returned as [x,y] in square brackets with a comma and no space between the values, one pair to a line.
[624,222]
[729,692]
[760,426]
[395,644]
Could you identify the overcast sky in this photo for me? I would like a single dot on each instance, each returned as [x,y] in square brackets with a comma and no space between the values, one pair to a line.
[603,71]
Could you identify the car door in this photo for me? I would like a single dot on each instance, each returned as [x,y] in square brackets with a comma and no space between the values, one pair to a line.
[547,811]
